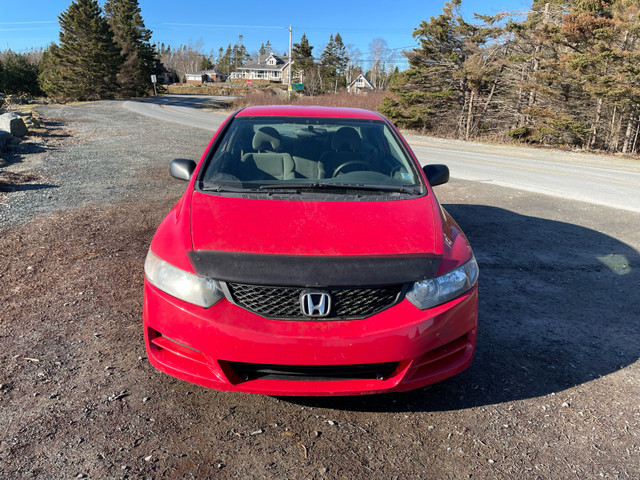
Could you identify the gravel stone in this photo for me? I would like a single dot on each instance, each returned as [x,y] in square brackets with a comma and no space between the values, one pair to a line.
[95,163]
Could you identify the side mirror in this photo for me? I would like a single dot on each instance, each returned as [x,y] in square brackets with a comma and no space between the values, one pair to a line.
[437,174]
[182,169]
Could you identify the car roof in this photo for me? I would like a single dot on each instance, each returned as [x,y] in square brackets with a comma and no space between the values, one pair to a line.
[308,111]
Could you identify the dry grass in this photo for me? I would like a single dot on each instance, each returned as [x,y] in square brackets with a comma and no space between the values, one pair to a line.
[211,89]
[369,101]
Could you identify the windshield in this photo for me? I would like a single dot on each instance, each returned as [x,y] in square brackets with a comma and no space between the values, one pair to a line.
[271,154]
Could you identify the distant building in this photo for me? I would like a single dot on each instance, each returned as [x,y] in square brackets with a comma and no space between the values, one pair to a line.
[266,69]
[360,85]
[204,76]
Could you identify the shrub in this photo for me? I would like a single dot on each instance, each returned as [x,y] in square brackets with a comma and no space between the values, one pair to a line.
[368,101]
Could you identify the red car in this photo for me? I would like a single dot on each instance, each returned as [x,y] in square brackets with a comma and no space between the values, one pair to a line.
[309,256]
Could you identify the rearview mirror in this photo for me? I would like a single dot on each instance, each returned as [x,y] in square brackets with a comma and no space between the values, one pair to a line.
[182,168]
[437,174]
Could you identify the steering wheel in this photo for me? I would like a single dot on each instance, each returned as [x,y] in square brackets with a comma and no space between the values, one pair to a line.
[397,169]
[340,167]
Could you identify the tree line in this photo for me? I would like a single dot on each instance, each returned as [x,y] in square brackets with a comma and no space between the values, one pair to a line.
[337,65]
[568,73]
[100,55]
[106,53]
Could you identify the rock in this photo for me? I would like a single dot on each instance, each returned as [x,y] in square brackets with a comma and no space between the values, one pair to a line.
[14,124]
[28,120]
[5,137]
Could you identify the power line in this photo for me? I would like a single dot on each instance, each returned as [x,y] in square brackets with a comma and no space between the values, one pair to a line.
[220,26]
[27,23]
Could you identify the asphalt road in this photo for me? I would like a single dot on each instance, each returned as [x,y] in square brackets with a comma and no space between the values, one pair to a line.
[189,110]
[596,179]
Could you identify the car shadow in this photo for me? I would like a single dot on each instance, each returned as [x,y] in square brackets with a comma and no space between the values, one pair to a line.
[558,308]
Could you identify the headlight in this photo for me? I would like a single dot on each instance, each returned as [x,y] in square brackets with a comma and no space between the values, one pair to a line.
[180,284]
[436,291]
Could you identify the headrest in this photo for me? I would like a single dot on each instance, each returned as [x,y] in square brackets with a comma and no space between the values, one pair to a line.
[346,139]
[267,138]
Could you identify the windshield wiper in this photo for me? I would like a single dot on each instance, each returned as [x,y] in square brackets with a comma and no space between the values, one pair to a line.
[343,186]
[287,186]
[412,189]
[215,187]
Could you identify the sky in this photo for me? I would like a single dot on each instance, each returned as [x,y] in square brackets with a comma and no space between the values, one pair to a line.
[211,24]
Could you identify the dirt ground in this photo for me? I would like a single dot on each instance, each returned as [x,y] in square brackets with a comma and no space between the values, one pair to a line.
[553,392]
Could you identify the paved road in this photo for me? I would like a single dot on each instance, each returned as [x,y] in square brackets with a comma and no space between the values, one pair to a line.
[190,110]
[597,179]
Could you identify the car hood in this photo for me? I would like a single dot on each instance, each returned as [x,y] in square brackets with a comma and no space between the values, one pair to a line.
[286,227]
[314,243]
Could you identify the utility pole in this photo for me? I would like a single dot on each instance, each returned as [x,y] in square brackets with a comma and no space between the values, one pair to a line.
[290,62]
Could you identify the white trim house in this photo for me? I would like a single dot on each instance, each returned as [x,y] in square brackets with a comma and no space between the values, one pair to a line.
[360,85]
[268,68]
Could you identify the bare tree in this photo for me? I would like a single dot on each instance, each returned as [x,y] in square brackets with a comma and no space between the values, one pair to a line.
[378,51]
[183,59]
[354,68]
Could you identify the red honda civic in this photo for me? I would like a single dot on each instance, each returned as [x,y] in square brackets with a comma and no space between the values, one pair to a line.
[309,256]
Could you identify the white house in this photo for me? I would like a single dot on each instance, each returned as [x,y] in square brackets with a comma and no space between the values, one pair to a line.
[199,78]
[268,68]
[360,85]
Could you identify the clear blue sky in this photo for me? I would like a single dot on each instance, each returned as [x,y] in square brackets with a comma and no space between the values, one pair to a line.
[26,24]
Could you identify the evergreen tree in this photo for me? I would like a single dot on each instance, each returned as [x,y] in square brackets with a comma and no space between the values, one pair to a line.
[333,63]
[18,75]
[223,64]
[341,53]
[302,56]
[133,38]
[239,54]
[49,70]
[591,64]
[87,61]
[265,48]
[442,85]
[206,63]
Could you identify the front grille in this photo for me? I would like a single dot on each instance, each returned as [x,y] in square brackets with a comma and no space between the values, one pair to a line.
[255,371]
[284,302]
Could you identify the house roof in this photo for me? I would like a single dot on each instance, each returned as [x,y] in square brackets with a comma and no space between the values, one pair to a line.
[262,63]
[368,82]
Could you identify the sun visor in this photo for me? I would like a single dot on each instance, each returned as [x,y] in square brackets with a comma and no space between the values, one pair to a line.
[314,271]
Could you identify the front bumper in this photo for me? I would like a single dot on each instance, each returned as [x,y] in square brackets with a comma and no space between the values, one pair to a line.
[215,347]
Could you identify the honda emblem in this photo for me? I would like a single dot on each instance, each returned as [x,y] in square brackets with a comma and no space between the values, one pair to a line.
[315,304]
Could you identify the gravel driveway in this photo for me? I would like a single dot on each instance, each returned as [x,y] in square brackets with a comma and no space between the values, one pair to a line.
[554,390]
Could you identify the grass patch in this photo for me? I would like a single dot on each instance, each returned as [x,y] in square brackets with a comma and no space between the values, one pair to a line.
[273,96]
